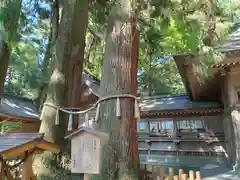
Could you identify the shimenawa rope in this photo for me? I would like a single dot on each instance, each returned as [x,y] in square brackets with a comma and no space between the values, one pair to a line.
[97,106]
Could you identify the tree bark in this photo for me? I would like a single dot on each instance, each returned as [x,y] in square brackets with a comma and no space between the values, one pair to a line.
[10,24]
[120,156]
[64,85]
[47,64]
[5,56]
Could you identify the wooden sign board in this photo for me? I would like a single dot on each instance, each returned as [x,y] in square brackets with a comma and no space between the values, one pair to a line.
[85,150]
[85,154]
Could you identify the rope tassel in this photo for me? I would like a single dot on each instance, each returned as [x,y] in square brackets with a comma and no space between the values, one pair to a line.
[57,117]
[79,120]
[70,121]
[137,111]
[97,112]
[86,120]
[118,114]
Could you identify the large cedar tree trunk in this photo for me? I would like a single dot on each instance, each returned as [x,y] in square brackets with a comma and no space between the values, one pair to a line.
[120,156]
[64,85]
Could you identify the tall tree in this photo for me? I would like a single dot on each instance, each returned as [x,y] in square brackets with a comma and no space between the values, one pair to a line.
[64,85]
[9,34]
[120,155]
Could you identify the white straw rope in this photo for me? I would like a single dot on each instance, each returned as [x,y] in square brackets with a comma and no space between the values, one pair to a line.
[93,106]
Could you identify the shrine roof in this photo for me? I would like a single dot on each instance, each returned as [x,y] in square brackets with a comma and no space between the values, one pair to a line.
[181,102]
[17,144]
[19,107]
[86,129]
[232,42]
[15,106]
[163,103]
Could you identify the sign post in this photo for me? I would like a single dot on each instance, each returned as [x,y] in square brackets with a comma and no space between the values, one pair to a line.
[86,145]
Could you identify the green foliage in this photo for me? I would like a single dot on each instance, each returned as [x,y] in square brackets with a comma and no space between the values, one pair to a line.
[25,71]
[168,27]
[25,74]
[9,20]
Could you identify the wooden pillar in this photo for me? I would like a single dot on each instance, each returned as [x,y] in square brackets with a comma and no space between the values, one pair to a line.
[175,178]
[27,172]
[180,173]
[86,177]
[198,175]
[161,173]
[184,177]
[191,175]
[171,171]
[2,174]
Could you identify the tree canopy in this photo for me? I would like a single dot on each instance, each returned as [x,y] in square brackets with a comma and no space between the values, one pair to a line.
[167,28]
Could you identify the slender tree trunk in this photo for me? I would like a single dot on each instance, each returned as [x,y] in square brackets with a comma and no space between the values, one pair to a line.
[65,80]
[10,25]
[47,64]
[120,155]
[5,56]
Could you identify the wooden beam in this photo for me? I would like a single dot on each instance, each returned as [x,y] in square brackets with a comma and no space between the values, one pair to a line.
[27,171]
[5,120]
[48,146]
[21,118]
[19,151]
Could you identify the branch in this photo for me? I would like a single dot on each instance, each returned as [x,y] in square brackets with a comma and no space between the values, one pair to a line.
[93,33]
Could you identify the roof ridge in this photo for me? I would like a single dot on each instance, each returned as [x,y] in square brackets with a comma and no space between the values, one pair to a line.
[164,96]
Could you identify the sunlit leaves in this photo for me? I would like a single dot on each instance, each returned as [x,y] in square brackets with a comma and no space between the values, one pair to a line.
[9,19]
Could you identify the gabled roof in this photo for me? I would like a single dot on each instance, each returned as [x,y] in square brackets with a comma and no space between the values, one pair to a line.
[185,64]
[161,103]
[231,48]
[14,106]
[18,107]
[86,129]
[16,144]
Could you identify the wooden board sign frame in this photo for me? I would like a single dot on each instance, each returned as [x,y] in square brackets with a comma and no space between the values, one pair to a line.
[86,145]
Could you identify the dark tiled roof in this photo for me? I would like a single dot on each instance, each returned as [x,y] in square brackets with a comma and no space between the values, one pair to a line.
[173,103]
[232,43]
[13,140]
[18,107]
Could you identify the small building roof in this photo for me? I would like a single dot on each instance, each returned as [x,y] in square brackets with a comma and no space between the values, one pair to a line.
[19,107]
[232,43]
[86,129]
[17,144]
[14,106]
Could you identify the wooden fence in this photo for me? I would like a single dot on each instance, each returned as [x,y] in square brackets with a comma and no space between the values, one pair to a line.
[191,175]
